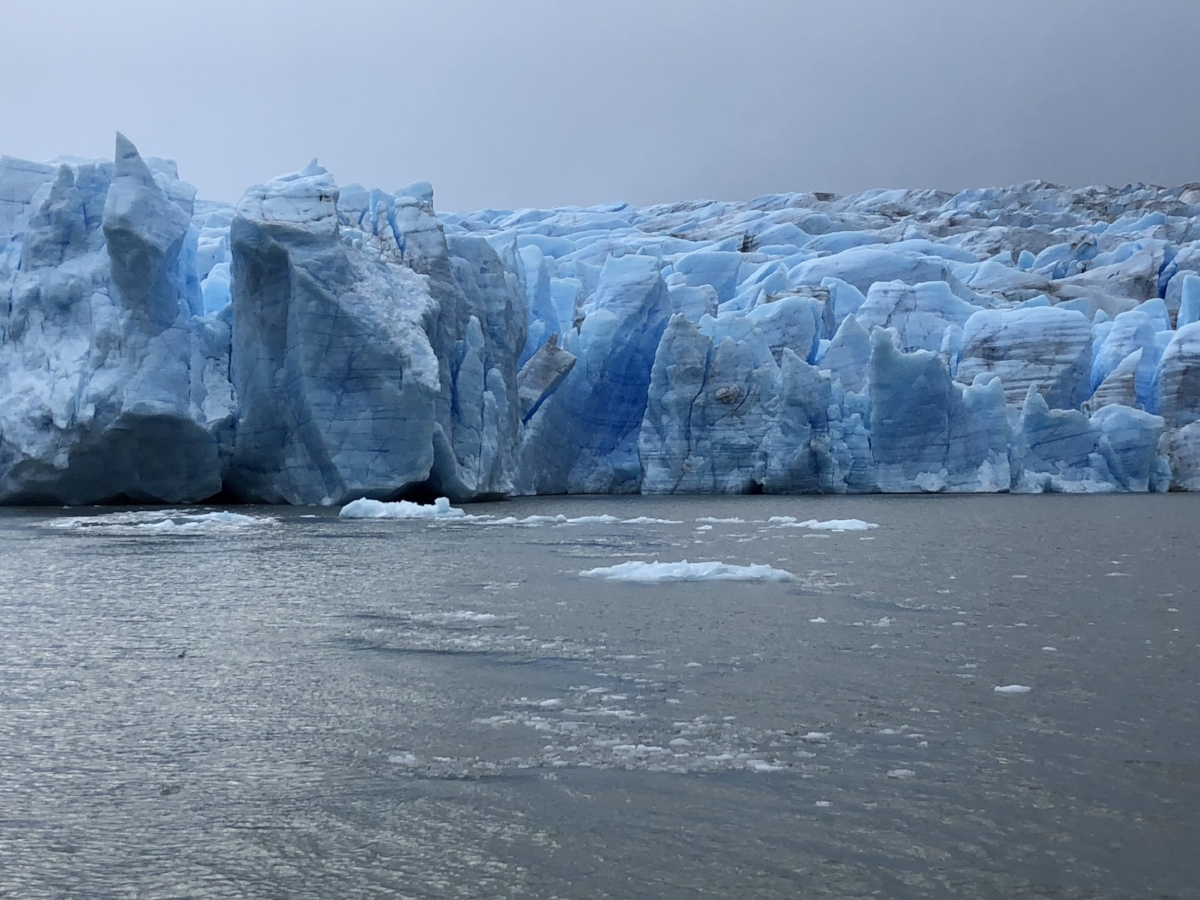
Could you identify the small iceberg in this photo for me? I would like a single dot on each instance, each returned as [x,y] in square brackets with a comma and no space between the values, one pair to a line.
[403,509]
[163,522]
[814,525]
[658,573]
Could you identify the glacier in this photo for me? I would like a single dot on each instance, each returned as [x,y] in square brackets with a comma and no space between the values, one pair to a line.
[317,343]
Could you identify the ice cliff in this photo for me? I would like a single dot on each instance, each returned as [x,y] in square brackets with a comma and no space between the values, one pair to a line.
[317,343]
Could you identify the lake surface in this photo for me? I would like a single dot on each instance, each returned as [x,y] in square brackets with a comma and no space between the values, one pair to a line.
[308,707]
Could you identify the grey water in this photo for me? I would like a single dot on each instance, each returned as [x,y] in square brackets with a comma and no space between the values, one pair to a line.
[302,706]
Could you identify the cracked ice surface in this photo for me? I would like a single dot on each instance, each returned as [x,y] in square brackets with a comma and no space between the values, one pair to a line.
[319,343]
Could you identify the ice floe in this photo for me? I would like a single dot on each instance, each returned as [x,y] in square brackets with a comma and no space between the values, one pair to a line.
[658,572]
[183,522]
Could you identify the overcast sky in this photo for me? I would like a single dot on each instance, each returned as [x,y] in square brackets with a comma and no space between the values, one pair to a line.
[514,103]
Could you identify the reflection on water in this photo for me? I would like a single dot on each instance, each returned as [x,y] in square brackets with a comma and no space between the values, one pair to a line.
[277,703]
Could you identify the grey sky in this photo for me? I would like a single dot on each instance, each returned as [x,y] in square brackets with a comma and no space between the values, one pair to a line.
[547,102]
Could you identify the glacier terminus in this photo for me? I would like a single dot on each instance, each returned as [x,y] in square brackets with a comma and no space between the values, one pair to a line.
[317,343]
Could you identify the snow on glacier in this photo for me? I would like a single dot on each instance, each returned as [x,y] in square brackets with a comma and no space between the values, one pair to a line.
[318,343]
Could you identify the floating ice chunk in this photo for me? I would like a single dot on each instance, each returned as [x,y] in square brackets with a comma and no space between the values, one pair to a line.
[164,522]
[730,521]
[466,615]
[375,509]
[656,572]
[817,621]
[830,525]
[901,773]
[229,518]
[592,520]
[760,765]
[839,525]
[1013,689]
[647,520]
[528,521]
[200,524]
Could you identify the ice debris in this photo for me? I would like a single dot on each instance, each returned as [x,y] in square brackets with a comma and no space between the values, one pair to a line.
[165,522]
[657,573]
[816,525]
[375,509]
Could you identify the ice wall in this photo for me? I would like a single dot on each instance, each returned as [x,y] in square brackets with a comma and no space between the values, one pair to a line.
[111,387]
[317,343]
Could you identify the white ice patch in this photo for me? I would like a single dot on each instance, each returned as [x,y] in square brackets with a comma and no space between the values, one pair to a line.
[709,520]
[375,509]
[1013,689]
[530,521]
[527,522]
[646,520]
[657,573]
[163,522]
[466,615]
[761,765]
[815,525]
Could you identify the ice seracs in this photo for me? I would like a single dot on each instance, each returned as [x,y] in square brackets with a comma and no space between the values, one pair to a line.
[110,387]
[311,315]
[318,343]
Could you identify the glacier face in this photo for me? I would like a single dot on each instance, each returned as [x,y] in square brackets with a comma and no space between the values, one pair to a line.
[318,343]
[112,386]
